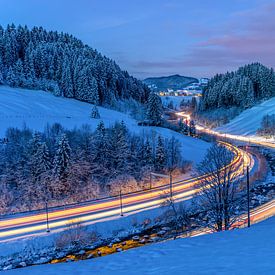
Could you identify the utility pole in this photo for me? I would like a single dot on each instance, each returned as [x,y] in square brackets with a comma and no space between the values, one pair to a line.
[150,180]
[243,161]
[248,196]
[120,198]
[47,218]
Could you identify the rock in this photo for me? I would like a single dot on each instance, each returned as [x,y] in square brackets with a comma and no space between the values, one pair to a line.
[116,240]
[118,249]
[8,267]
[166,228]
[60,255]
[90,247]
[110,245]
[42,260]
[161,233]
[81,252]
[99,253]
[123,243]
[135,238]
[90,256]
[22,264]
[155,239]
[146,237]
[142,241]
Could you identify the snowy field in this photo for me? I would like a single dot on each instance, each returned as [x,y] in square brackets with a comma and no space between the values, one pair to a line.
[249,121]
[37,108]
[243,251]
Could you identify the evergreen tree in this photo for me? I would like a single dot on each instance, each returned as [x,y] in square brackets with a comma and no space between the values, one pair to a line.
[11,78]
[1,68]
[1,78]
[62,159]
[95,113]
[154,109]
[173,154]
[148,153]
[101,168]
[19,73]
[194,103]
[181,125]
[120,150]
[160,155]
[66,80]
[192,128]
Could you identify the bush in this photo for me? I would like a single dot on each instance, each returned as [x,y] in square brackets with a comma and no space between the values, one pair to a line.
[75,234]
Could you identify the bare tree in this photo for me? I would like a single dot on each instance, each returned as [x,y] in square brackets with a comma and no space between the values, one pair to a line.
[177,213]
[217,199]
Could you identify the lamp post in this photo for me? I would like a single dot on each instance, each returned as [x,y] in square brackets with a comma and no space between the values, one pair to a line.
[120,198]
[47,218]
[171,187]
[248,196]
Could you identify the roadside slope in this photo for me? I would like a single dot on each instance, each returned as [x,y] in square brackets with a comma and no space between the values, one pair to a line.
[249,121]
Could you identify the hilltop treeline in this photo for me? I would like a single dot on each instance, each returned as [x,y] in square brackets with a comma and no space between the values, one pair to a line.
[63,65]
[242,88]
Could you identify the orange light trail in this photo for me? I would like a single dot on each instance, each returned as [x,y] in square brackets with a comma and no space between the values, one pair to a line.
[35,224]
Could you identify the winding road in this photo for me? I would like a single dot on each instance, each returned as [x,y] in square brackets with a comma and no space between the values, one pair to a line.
[25,225]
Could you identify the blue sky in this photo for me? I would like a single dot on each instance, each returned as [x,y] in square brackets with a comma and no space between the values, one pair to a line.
[160,37]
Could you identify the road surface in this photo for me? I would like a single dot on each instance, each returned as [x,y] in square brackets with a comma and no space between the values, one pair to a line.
[250,140]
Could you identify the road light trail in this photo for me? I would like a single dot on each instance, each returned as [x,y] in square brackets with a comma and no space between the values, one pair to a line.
[253,140]
[20,227]
[257,214]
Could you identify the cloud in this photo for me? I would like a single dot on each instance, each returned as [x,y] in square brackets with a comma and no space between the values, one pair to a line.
[248,36]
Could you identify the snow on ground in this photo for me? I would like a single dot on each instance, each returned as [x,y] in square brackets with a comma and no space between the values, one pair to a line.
[37,108]
[244,251]
[249,121]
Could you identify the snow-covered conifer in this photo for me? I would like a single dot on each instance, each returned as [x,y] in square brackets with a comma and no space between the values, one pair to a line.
[154,109]
[95,113]
[160,155]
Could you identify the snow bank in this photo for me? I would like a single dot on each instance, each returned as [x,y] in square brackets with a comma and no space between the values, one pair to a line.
[244,251]
[19,107]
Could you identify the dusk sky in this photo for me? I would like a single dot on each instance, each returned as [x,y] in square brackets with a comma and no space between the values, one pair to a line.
[160,37]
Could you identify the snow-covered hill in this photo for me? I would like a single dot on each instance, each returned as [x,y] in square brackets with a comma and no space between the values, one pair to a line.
[19,107]
[244,251]
[249,121]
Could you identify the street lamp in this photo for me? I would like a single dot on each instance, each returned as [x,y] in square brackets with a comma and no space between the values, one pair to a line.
[120,199]
[248,196]
[47,218]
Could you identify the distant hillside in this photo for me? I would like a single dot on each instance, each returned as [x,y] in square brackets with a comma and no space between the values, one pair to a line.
[243,88]
[174,82]
[60,63]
